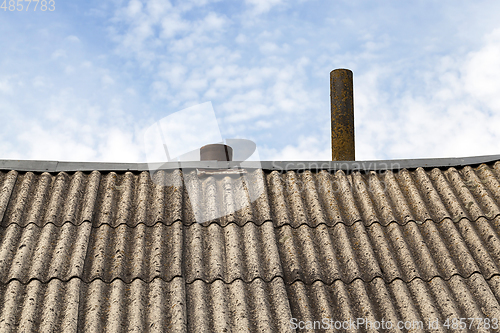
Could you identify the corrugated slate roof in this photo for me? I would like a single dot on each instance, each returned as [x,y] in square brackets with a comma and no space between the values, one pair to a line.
[114,251]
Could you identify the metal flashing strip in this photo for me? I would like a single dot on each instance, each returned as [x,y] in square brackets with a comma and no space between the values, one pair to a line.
[282,166]
[28,165]
[220,172]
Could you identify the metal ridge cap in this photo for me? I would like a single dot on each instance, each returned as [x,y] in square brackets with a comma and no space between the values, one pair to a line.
[373,165]
[380,165]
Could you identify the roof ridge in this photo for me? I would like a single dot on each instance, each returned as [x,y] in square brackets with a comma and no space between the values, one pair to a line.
[373,165]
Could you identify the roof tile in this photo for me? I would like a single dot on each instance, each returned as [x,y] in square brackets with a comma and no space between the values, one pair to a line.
[122,252]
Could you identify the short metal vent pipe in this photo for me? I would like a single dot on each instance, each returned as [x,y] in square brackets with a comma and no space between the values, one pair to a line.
[216,152]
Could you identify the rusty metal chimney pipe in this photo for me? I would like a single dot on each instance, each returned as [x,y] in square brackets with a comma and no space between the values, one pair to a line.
[216,152]
[342,103]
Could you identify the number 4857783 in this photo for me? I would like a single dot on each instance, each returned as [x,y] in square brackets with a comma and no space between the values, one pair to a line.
[17,5]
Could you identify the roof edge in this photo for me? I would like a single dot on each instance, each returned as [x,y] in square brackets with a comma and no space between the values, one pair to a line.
[374,165]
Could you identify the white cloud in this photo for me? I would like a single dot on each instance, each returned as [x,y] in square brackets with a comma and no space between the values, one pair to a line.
[41,82]
[5,86]
[158,8]
[73,39]
[241,38]
[212,21]
[58,54]
[134,8]
[131,91]
[41,144]
[159,90]
[107,80]
[69,69]
[84,134]
[308,148]
[174,73]
[262,6]
[451,110]
[120,146]
[172,25]
[268,48]
[481,72]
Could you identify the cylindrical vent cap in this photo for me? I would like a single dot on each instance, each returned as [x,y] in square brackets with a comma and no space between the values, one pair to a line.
[216,152]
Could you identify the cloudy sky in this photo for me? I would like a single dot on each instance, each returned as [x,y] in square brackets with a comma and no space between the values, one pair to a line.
[84,82]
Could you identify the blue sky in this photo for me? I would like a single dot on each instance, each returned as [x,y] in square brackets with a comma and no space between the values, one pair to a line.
[85,81]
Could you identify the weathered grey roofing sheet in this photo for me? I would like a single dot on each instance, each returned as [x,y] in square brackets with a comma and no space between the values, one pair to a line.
[113,251]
